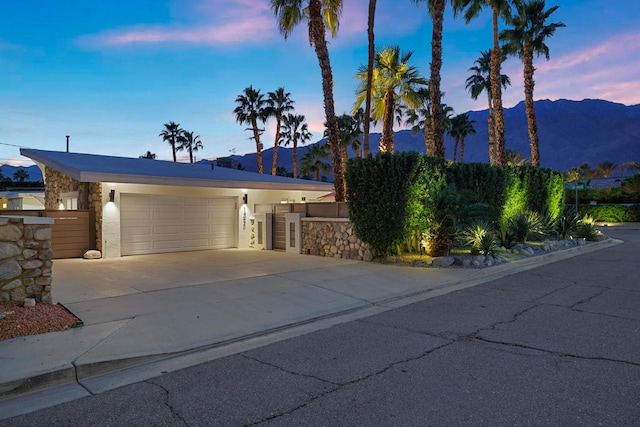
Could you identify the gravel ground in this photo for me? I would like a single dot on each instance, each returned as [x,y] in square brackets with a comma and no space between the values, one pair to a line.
[18,321]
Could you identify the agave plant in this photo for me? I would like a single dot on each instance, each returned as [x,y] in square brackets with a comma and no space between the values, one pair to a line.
[567,222]
[481,237]
[526,225]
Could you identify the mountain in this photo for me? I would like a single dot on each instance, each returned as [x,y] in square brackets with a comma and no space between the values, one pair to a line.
[570,132]
[34,172]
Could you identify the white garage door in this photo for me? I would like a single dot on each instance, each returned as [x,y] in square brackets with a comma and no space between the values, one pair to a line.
[152,224]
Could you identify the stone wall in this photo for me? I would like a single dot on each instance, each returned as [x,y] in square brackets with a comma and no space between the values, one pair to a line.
[333,237]
[25,258]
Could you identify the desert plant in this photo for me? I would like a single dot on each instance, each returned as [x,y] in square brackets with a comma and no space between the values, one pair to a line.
[586,228]
[442,226]
[526,225]
[481,237]
[567,222]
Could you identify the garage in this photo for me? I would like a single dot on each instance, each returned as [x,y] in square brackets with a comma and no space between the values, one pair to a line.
[157,223]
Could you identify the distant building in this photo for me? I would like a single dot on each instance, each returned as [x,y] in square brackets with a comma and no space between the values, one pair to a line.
[18,199]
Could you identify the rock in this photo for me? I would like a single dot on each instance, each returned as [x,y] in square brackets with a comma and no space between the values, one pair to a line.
[42,234]
[443,261]
[581,242]
[546,247]
[479,259]
[10,233]
[29,302]
[92,254]
[10,269]
[488,262]
[475,263]
[8,250]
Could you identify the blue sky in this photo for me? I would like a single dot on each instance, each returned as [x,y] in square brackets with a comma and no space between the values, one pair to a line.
[110,74]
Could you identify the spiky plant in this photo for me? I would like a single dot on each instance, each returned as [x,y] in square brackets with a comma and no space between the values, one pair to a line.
[481,237]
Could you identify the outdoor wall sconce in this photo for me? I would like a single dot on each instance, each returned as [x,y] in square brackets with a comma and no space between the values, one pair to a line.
[112,195]
[245,199]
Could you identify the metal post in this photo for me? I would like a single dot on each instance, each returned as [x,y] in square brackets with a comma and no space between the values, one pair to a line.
[67,143]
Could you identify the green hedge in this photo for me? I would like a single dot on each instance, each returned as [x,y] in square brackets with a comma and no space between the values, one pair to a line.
[612,213]
[628,192]
[389,194]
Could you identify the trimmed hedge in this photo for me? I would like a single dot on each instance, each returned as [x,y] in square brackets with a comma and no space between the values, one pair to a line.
[612,213]
[389,194]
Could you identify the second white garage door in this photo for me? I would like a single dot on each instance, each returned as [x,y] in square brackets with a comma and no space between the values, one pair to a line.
[153,224]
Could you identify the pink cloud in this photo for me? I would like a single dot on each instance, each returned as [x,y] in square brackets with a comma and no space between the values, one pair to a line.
[238,22]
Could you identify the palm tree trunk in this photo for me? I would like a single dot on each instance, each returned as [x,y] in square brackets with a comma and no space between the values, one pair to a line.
[173,149]
[317,174]
[386,141]
[256,136]
[366,144]
[190,155]
[317,30]
[274,164]
[496,91]
[437,12]
[345,157]
[295,158]
[527,58]
[492,131]
[428,137]
[456,141]
[462,151]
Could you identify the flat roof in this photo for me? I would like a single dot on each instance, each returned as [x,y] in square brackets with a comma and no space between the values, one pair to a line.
[98,168]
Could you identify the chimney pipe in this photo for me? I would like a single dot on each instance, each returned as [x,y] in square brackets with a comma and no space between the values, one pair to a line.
[67,143]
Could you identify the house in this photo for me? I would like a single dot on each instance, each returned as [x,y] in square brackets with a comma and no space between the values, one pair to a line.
[22,199]
[144,206]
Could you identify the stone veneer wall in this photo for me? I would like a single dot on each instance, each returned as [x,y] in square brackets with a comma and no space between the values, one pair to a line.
[89,196]
[333,237]
[25,259]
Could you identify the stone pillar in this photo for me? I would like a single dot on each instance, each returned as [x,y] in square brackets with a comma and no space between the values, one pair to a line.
[25,258]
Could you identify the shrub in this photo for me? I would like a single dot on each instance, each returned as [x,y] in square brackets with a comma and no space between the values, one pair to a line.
[586,228]
[566,224]
[378,190]
[481,237]
[526,225]
[612,213]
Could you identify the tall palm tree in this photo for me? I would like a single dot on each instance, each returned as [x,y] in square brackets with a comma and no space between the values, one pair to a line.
[461,127]
[190,143]
[419,119]
[20,175]
[527,38]
[321,15]
[366,119]
[606,169]
[480,82]
[171,133]
[395,84]
[499,9]
[251,109]
[279,102]
[294,131]
[313,161]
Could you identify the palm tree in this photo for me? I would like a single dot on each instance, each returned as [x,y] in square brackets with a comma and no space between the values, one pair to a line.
[626,165]
[349,133]
[313,161]
[526,39]
[395,84]
[170,133]
[279,102]
[480,81]
[366,144]
[420,119]
[461,127]
[251,108]
[606,169]
[514,158]
[148,155]
[320,14]
[499,8]
[294,131]
[20,175]
[190,143]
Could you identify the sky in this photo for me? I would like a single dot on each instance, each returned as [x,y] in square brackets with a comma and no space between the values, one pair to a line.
[110,74]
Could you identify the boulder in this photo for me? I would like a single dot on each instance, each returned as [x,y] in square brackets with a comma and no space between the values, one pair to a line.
[92,254]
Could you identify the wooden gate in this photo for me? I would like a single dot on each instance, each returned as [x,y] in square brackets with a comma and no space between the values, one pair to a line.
[279,222]
[72,233]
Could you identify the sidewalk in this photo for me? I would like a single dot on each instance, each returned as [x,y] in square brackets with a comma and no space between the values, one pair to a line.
[151,314]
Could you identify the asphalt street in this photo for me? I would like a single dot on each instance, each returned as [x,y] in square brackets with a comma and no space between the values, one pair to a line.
[554,345]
